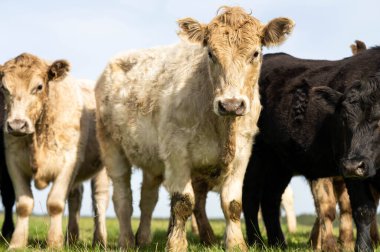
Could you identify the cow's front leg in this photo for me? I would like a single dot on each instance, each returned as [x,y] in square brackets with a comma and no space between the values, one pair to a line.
[24,207]
[231,195]
[363,211]
[178,183]
[56,201]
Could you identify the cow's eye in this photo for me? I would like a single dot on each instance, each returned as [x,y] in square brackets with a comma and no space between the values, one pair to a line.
[38,88]
[254,56]
[211,56]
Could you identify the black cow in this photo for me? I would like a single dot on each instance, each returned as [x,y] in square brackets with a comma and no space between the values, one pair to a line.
[308,127]
[6,187]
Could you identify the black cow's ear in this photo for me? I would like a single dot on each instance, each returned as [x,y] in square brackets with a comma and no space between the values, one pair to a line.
[58,70]
[326,98]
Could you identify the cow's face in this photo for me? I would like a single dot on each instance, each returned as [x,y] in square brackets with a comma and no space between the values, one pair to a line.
[24,81]
[361,129]
[233,43]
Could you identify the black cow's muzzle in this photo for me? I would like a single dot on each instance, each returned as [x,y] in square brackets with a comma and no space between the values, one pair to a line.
[356,168]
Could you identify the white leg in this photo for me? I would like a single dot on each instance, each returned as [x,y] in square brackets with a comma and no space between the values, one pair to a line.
[288,205]
[24,207]
[100,199]
[74,201]
[149,197]
[178,182]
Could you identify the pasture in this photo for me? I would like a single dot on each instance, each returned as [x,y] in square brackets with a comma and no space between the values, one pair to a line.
[39,226]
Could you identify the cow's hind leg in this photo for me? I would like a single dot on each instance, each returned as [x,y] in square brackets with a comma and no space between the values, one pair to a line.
[74,203]
[322,237]
[119,169]
[100,199]
[206,234]
[149,197]
[346,232]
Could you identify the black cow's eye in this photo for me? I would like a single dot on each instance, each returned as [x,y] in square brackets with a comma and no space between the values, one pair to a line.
[256,54]
[40,87]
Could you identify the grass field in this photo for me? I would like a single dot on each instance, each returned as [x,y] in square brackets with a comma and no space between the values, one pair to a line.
[39,226]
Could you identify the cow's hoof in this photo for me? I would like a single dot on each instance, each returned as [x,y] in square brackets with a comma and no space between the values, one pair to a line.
[127,242]
[99,240]
[329,244]
[18,242]
[143,238]
[237,246]
[176,245]
[55,241]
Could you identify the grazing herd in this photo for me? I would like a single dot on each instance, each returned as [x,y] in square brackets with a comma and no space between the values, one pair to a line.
[209,113]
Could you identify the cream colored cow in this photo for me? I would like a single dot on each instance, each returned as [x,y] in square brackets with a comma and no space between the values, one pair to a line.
[189,108]
[50,137]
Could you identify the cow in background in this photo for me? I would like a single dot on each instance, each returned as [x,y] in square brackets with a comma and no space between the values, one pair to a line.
[182,110]
[6,187]
[50,137]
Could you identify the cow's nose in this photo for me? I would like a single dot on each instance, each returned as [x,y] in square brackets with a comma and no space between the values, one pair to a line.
[354,168]
[17,127]
[232,106]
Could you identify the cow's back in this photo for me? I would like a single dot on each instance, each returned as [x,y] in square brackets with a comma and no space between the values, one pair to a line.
[138,93]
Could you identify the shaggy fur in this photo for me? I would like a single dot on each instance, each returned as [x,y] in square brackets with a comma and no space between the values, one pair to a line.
[56,144]
[302,132]
[160,110]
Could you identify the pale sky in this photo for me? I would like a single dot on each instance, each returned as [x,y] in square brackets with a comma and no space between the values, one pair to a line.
[88,33]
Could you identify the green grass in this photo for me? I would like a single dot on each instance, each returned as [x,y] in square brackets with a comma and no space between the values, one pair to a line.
[39,225]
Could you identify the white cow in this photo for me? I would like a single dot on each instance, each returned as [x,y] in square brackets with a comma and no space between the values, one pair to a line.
[185,109]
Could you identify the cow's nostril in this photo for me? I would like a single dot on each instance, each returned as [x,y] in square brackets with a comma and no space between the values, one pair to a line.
[361,165]
[221,107]
[9,127]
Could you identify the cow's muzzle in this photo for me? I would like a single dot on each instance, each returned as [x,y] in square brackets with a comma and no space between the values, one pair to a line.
[356,168]
[18,127]
[232,107]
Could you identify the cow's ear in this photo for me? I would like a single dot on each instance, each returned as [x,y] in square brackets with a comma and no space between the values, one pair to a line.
[326,98]
[277,31]
[358,47]
[58,70]
[192,30]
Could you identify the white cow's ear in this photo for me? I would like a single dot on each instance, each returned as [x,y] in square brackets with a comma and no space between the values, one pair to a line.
[58,70]
[192,30]
[277,31]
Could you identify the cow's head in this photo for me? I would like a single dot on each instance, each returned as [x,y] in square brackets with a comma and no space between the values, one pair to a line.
[233,43]
[24,82]
[361,128]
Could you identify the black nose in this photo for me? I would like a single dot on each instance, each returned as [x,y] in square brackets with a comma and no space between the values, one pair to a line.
[233,106]
[17,127]
[355,168]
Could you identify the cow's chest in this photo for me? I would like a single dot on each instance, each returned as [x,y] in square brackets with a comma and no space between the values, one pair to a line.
[204,150]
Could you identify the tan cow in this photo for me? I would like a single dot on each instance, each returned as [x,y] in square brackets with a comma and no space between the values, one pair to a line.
[183,109]
[50,137]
